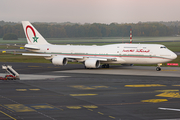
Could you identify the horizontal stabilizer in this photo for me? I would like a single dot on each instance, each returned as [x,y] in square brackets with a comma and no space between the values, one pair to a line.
[32,47]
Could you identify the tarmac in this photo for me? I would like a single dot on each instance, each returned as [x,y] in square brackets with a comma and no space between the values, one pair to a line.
[71,92]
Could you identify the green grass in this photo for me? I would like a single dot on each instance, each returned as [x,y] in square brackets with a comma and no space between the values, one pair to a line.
[19,41]
[7,57]
[9,47]
[93,39]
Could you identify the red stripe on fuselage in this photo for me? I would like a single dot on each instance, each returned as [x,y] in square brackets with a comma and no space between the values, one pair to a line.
[115,56]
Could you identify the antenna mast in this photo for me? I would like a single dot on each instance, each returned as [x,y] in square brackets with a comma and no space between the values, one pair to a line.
[130,35]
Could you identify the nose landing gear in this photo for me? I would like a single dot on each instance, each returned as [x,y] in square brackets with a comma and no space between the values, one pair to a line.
[159,67]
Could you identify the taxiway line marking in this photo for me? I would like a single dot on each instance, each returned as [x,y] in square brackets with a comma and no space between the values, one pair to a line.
[112,117]
[175,90]
[21,89]
[7,108]
[119,104]
[27,89]
[74,107]
[20,104]
[83,87]
[7,115]
[90,109]
[82,94]
[169,109]
[155,100]
[166,90]
[169,94]
[55,106]
[146,85]
[90,106]
[101,113]
[169,70]
[175,85]
[19,107]
[34,89]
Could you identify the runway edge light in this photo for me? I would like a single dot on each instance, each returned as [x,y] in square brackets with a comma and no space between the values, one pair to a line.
[172,64]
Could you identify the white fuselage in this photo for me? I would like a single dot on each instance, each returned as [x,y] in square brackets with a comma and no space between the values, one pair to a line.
[124,53]
[93,56]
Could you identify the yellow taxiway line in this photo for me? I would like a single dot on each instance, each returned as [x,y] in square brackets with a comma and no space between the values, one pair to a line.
[7,115]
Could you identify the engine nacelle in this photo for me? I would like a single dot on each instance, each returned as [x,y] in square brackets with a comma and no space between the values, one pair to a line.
[92,63]
[59,60]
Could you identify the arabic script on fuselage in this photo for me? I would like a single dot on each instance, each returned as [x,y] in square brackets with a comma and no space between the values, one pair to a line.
[138,50]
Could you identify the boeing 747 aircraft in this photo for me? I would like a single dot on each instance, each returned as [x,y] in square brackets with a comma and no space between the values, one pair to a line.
[94,56]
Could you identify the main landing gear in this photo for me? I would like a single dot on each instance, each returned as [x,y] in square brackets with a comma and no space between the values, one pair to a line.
[105,66]
[159,67]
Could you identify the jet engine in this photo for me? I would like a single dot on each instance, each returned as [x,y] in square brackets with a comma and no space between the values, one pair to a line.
[59,60]
[92,63]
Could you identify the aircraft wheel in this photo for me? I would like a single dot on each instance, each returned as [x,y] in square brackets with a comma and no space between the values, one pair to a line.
[107,65]
[158,69]
[104,65]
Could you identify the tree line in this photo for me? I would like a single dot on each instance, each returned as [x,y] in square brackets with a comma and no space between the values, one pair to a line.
[69,30]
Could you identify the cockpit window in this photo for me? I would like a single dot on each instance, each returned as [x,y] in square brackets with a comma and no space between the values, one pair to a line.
[162,47]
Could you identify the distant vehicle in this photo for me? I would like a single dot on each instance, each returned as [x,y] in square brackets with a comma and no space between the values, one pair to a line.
[13,75]
[94,56]
[10,77]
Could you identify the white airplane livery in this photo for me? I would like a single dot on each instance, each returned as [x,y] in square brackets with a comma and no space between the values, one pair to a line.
[93,56]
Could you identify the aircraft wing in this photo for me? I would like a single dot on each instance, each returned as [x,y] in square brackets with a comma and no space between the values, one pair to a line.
[49,55]
[73,57]
[35,54]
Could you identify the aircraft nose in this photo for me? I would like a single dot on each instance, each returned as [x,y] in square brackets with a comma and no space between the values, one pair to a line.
[173,56]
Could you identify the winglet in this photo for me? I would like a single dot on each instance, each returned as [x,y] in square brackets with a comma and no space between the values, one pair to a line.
[32,35]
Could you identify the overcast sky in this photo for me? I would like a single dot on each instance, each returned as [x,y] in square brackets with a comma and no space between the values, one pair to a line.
[90,11]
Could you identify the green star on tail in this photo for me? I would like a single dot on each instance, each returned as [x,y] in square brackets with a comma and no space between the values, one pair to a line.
[35,38]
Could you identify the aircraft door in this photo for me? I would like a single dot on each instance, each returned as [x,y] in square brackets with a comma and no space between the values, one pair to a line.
[118,50]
